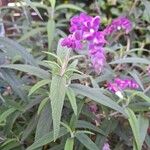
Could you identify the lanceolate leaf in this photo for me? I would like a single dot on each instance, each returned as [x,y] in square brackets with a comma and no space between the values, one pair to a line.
[97,96]
[47,138]
[69,144]
[44,122]
[17,84]
[69,6]
[6,113]
[32,33]
[50,32]
[72,99]
[31,126]
[12,49]
[86,141]
[131,60]
[87,125]
[38,85]
[143,126]
[28,69]
[57,95]
[135,127]
[53,2]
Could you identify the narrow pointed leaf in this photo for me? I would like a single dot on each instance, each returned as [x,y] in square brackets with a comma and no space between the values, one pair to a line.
[97,96]
[57,95]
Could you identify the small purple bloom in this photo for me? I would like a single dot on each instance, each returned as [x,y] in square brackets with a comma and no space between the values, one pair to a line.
[113,87]
[106,146]
[72,42]
[122,84]
[120,23]
[97,55]
[85,23]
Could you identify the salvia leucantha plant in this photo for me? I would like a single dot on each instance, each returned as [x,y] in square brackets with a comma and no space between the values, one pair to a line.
[86,87]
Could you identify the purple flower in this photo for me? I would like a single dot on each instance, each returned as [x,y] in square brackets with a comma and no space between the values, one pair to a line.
[85,23]
[72,41]
[112,87]
[97,55]
[84,29]
[122,84]
[120,23]
[106,146]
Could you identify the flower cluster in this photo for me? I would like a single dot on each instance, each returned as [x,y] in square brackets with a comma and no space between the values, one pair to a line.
[122,84]
[120,23]
[84,29]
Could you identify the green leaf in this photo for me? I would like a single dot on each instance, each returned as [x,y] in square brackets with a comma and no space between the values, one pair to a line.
[38,85]
[134,126]
[15,82]
[69,144]
[96,95]
[32,33]
[44,123]
[57,95]
[29,69]
[146,12]
[42,104]
[50,32]
[143,126]
[140,94]
[6,113]
[63,52]
[53,2]
[69,6]
[72,99]
[10,144]
[47,138]
[131,60]
[86,141]
[13,49]
[88,125]
[30,127]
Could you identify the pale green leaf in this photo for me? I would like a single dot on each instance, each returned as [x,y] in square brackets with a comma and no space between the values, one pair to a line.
[72,99]
[69,144]
[38,85]
[50,32]
[6,113]
[32,33]
[96,95]
[86,141]
[42,104]
[131,60]
[134,126]
[44,123]
[88,125]
[143,126]
[12,49]
[63,52]
[52,2]
[28,69]
[57,95]
[47,138]
[69,6]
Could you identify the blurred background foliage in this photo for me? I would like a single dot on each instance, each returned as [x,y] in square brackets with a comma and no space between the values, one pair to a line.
[27,31]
